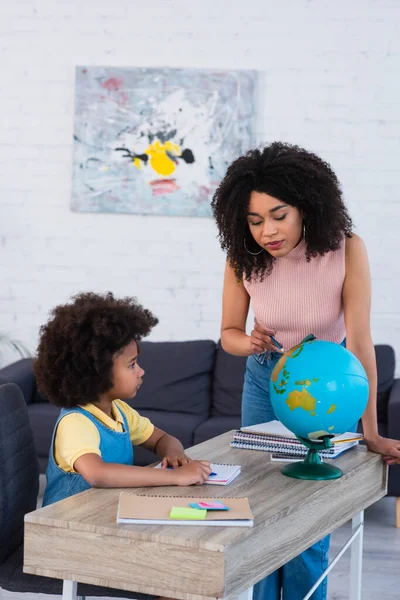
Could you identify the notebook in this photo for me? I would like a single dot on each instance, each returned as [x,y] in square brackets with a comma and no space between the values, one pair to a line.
[155,510]
[278,457]
[285,446]
[221,474]
[277,429]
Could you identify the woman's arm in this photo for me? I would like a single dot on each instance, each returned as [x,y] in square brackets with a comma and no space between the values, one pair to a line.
[235,309]
[357,307]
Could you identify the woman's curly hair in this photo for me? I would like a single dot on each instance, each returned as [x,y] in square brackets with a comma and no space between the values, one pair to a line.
[74,362]
[293,175]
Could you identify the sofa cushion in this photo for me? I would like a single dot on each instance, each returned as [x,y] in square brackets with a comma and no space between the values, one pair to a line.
[177,376]
[215,426]
[42,418]
[20,373]
[227,383]
[385,362]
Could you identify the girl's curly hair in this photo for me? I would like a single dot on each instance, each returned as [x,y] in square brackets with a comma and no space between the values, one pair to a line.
[293,175]
[74,362]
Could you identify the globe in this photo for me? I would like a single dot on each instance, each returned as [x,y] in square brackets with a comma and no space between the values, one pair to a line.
[318,389]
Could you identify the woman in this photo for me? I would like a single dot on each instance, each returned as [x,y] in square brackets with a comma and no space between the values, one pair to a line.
[292,253]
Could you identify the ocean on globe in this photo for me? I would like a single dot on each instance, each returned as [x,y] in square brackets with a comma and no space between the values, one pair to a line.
[318,388]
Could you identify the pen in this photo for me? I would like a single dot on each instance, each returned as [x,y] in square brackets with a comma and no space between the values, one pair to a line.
[277,344]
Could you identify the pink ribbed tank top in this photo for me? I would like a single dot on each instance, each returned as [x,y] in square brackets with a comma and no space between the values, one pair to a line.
[300,297]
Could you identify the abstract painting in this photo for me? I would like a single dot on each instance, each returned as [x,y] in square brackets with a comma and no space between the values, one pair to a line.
[158,141]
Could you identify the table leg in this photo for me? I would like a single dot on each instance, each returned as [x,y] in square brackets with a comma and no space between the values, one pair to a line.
[246,595]
[356,557]
[69,590]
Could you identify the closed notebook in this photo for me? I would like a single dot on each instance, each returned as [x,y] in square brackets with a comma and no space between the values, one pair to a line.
[155,510]
[221,474]
[275,429]
[286,447]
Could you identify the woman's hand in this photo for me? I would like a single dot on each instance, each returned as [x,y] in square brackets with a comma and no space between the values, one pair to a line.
[390,449]
[175,460]
[260,340]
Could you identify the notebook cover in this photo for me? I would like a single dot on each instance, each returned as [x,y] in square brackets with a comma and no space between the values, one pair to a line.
[156,509]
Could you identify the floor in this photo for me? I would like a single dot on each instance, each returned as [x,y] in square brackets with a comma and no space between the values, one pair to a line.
[381,559]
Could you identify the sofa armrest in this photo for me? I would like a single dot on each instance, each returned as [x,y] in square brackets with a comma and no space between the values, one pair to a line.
[21,373]
[393,428]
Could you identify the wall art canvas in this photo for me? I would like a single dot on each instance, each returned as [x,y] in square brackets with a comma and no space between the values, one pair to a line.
[157,141]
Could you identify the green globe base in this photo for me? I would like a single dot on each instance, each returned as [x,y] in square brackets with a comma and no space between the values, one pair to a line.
[300,470]
[312,468]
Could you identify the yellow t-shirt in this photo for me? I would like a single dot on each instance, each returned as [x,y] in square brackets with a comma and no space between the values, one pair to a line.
[77,435]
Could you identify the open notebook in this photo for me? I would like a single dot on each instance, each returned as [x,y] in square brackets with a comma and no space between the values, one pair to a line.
[221,474]
[155,510]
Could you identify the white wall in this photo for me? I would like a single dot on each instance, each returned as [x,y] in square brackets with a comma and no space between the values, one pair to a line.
[332,85]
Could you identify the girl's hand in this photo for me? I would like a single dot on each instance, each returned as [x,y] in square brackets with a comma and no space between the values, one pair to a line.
[386,446]
[195,472]
[175,461]
[260,340]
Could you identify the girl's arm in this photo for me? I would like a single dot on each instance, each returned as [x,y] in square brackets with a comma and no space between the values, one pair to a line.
[109,475]
[357,307]
[166,447]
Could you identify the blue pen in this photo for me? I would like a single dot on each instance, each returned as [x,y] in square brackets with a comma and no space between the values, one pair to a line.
[277,344]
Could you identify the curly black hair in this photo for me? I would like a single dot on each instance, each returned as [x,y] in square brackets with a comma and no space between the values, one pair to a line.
[75,354]
[293,175]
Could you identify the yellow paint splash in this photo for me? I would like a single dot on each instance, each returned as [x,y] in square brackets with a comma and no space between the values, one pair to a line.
[159,159]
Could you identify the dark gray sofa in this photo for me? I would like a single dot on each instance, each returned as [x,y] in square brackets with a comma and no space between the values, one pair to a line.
[193,391]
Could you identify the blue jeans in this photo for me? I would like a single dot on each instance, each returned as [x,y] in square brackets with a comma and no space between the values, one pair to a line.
[297,577]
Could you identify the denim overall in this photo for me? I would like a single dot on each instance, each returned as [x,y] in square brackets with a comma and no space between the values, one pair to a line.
[297,577]
[115,447]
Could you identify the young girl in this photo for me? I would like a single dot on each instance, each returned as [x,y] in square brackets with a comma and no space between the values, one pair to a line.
[87,360]
[291,252]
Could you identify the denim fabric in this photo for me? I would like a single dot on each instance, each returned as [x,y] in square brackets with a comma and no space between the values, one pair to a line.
[115,447]
[296,578]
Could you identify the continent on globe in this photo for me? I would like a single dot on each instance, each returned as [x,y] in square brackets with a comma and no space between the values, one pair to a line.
[301,399]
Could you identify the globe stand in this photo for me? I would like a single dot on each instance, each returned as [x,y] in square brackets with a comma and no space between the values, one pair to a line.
[312,467]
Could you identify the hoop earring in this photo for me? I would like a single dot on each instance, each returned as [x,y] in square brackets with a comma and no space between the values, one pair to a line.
[252,253]
[304,229]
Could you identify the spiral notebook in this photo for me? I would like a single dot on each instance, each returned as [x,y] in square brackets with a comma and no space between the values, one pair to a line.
[275,437]
[275,429]
[155,510]
[221,474]
[282,447]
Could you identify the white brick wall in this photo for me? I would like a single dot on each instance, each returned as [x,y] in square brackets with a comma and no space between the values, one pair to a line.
[331,84]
